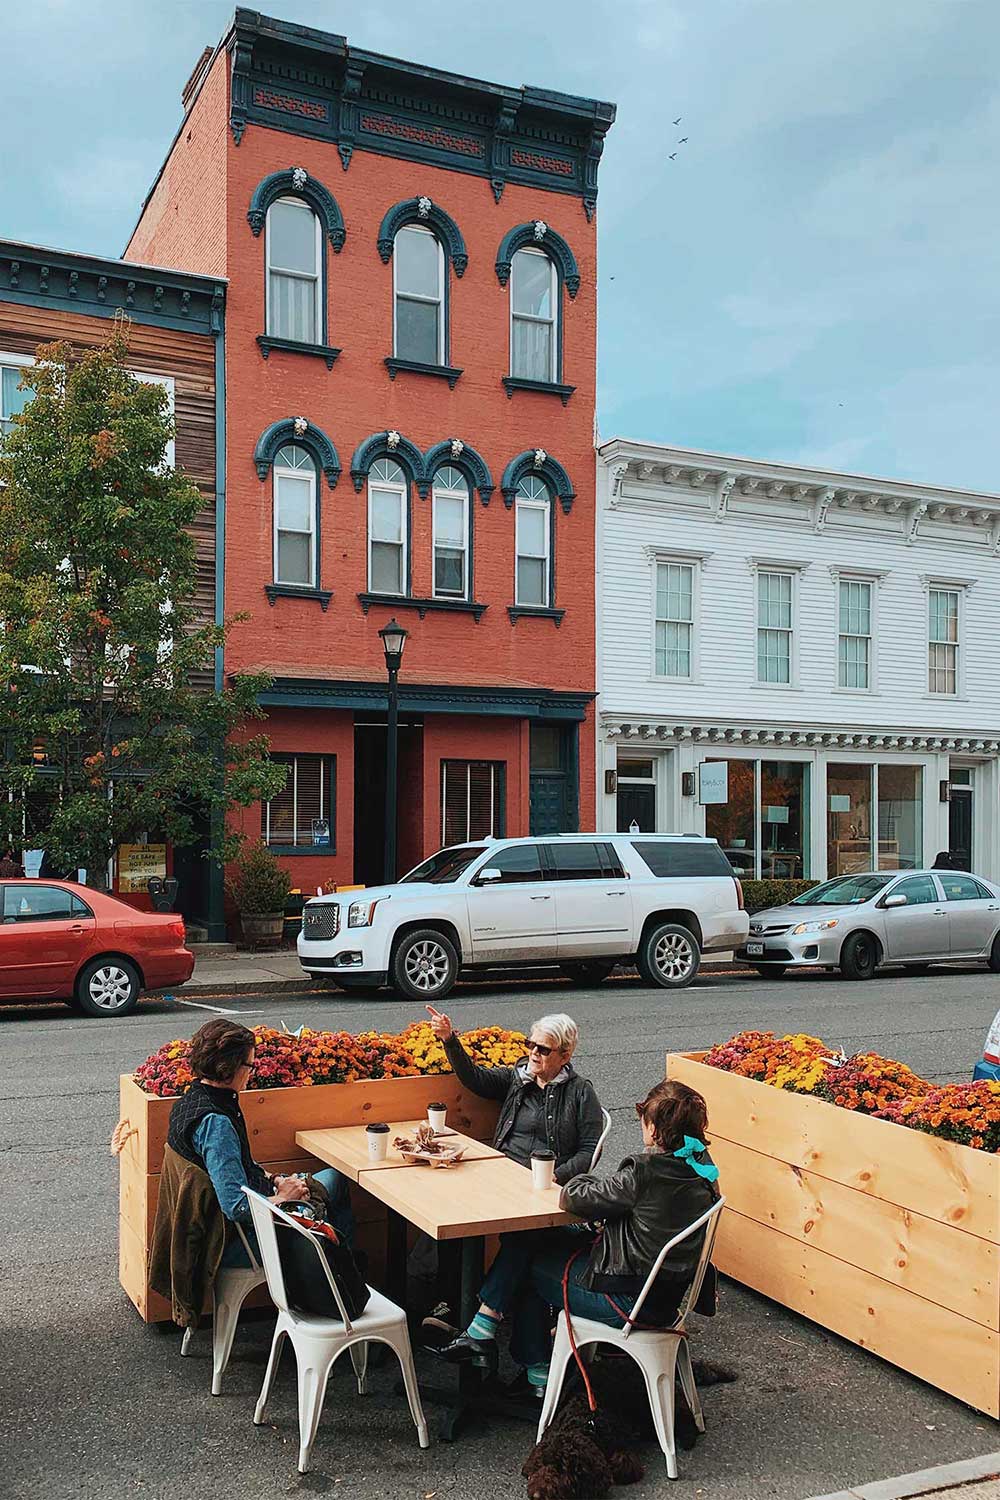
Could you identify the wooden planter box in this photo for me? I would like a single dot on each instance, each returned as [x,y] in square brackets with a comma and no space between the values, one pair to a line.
[273,1116]
[886,1236]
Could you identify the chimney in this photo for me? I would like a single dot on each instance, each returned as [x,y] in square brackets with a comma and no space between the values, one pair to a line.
[197,74]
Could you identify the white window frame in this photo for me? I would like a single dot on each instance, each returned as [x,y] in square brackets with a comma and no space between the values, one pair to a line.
[306,475]
[521,504]
[388,487]
[552,322]
[793,569]
[168,383]
[664,560]
[437,301]
[444,492]
[319,328]
[859,580]
[946,586]
[16,362]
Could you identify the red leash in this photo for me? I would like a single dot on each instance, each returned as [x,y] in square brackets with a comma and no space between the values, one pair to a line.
[591,1399]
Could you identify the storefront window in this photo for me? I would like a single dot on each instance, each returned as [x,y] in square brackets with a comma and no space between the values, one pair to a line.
[848,819]
[784,819]
[734,822]
[899,818]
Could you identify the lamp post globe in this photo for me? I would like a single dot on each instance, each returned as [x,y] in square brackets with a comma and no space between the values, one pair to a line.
[393,637]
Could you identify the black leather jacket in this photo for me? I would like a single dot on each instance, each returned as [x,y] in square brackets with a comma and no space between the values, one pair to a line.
[573,1120]
[644,1204]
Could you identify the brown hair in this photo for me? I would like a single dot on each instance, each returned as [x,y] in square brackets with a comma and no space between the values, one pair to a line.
[674,1110]
[218,1048]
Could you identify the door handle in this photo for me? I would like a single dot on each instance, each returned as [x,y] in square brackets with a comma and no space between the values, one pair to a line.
[940,912]
[76,927]
[541,898]
[614,893]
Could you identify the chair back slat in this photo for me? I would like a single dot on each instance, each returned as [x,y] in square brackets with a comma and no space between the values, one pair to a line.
[265,1217]
[709,1221]
[599,1148]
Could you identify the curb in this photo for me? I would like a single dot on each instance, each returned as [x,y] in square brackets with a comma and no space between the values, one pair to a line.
[927,1482]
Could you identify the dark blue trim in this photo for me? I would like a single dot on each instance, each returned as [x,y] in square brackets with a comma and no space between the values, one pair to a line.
[468,462]
[416,367]
[529,611]
[407,601]
[517,703]
[553,245]
[315,193]
[215,916]
[296,591]
[405,453]
[550,470]
[445,230]
[266,342]
[314,440]
[512,383]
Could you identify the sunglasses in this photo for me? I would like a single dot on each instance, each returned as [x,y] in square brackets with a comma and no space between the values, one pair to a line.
[540,1048]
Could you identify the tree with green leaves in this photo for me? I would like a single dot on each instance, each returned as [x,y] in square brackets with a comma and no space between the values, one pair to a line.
[109,723]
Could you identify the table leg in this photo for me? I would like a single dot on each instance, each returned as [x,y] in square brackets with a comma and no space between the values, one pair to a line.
[395,1257]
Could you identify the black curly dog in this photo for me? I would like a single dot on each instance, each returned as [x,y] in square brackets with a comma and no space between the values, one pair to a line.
[582,1455]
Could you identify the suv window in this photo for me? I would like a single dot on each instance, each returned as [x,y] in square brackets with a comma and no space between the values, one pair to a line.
[686,859]
[518,863]
[962,888]
[613,867]
[919,891]
[576,861]
[40,903]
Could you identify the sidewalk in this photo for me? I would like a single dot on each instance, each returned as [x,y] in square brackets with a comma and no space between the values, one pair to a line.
[972,1479]
[223,970]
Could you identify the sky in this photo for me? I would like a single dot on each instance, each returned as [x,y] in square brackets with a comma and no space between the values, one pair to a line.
[814,279]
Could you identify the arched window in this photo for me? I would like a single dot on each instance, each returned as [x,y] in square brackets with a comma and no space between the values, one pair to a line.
[418,284]
[295,521]
[534,317]
[451,534]
[388,528]
[533,512]
[294,272]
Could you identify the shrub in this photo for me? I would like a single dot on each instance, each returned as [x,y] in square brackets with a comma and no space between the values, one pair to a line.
[260,885]
[758,895]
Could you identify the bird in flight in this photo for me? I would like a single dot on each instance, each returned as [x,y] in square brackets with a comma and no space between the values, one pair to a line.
[682,140]
[678,119]
[673,156]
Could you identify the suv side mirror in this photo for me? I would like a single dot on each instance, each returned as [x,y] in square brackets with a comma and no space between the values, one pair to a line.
[899,900]
[489,876]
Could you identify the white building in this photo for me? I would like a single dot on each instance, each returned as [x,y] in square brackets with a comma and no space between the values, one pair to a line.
[831,640]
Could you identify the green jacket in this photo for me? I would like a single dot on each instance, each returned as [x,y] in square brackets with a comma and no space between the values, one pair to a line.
[189,1235]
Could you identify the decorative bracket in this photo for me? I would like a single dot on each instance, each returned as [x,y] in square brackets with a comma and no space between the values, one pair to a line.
[552,243]
[466,460]
[313,439]
[821,506]
[549,469]
[423,211]
[722,493]
[312,191]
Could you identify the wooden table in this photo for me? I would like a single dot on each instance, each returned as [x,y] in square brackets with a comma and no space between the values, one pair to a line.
[486,1193]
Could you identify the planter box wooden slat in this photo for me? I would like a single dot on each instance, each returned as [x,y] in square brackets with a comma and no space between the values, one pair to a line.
[886,1236]
[272,1117]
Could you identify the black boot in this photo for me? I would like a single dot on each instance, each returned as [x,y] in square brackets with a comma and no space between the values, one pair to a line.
[463,1350]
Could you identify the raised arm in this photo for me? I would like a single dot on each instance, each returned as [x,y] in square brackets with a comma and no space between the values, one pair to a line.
[488,1083]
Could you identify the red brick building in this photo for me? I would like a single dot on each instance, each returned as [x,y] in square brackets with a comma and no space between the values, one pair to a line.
[410,389]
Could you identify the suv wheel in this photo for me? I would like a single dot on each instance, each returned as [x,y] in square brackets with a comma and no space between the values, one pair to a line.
[108,987]
[994,959]
[589,971]
[859,956]
[669,956]
[425,965]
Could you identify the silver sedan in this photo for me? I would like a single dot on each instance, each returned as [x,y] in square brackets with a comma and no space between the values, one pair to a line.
[858,922]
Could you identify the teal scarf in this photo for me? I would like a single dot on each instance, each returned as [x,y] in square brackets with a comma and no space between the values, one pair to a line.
[691,1148]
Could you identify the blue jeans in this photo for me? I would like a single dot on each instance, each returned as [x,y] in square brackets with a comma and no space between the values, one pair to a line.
[340,1215]
[541,1293]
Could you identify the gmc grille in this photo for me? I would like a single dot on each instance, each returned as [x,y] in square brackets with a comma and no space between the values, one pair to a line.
[320,923]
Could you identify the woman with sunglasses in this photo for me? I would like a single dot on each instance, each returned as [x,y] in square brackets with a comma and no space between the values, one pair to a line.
[546,1106]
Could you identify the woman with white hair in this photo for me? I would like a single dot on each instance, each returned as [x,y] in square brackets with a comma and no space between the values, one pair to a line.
[546,1106]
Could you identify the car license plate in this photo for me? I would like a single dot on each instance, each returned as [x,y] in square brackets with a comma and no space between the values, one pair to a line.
[755,950]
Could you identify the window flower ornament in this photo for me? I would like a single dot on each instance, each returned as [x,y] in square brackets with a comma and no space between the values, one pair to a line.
[541,230]
[424,206]
[392,440]
[301,426]
[457,447]
[540,457]
[299,178]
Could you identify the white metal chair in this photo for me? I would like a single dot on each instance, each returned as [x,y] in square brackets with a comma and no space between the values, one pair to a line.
[231,1288]
[319,1342]
[660,1354]
[599,1148]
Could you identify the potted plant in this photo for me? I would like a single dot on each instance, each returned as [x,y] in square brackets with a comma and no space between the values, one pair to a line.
[260,889]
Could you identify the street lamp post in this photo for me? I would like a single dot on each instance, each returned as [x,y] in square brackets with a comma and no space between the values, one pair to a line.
[393,637]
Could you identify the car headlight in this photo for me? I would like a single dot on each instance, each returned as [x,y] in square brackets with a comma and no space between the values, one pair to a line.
[823,926]
[361,913]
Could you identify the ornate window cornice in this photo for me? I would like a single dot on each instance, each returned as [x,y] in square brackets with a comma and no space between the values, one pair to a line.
[392,445]
[538,236]
[296,183]
[537,461]
[431,216]
[305,435]
[463,458]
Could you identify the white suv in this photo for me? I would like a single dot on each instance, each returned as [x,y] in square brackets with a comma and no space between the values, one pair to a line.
[582,902]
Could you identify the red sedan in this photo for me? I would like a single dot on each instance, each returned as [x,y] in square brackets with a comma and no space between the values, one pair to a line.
[63,941]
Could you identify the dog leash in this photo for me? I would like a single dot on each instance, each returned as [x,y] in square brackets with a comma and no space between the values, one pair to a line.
[591,1399]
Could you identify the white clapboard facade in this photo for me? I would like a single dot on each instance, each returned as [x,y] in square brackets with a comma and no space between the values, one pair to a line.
[802,664]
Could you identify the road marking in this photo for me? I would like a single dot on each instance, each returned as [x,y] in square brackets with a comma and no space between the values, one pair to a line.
[219,1010]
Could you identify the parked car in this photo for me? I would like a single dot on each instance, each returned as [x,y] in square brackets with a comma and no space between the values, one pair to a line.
[856,923]
[989,1064]
[580,902]
[63,941]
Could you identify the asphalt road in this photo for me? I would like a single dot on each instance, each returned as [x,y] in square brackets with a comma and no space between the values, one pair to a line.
[95,1404]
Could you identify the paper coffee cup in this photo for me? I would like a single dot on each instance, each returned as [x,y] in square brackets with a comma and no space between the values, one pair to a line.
[436,1116]
[378,1142]
[543,1166]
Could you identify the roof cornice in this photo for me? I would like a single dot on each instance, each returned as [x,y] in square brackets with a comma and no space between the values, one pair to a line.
[646,729]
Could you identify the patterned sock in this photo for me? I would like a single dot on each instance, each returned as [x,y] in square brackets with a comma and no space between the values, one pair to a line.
[538,1375]
[483,1326]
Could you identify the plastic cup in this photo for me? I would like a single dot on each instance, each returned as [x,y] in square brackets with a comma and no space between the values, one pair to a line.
[436,1116]
[378,1142]
[543,1167]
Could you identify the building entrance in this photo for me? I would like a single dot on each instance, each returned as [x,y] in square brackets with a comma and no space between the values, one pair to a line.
[960,824]
[369,799]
